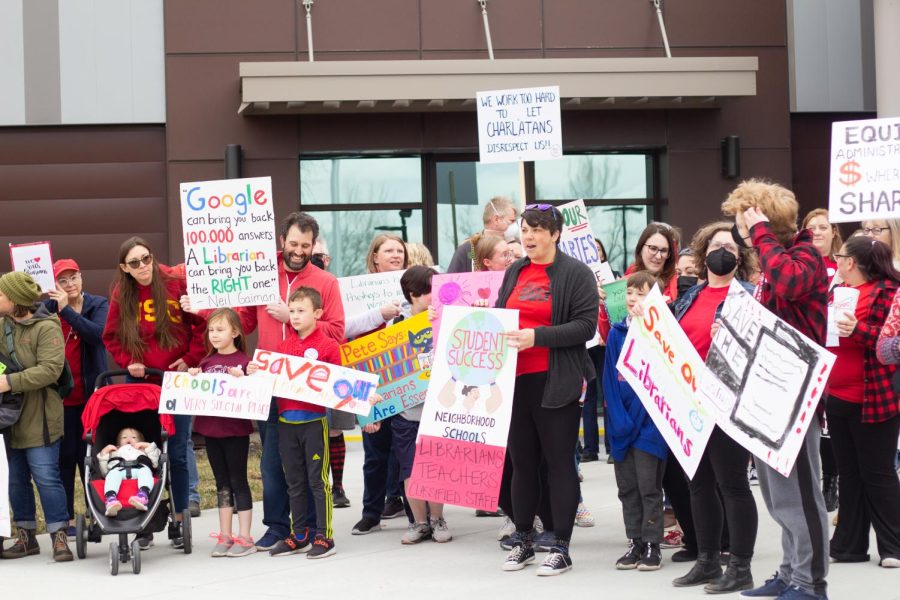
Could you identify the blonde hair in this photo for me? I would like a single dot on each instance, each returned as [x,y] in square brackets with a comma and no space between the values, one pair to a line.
[775,201]
[419,254]
[498,205]
[377,242]
[836,241]
[894,227]
[483,246]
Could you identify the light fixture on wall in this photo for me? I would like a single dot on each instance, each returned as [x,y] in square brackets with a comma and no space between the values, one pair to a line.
[731,157]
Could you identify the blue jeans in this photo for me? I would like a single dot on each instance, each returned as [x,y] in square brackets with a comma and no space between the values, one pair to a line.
[193,474]
[40,464]
[381,471]
[178,461]
[72,452]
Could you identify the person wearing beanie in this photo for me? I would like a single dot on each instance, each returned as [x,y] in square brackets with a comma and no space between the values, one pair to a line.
[82,317]
[37,354]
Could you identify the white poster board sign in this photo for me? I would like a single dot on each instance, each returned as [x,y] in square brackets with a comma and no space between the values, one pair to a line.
[216,395]
[230,255]
[763,380]
[520,124]
[660,364]
[865,170]
[5,525]
[36,260]
[362,293]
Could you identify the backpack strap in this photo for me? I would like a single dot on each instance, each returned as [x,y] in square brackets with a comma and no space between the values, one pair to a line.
[9,344]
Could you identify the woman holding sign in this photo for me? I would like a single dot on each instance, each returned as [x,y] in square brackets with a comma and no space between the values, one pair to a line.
[863,411]
[557,300]
[724,462]
[140,336]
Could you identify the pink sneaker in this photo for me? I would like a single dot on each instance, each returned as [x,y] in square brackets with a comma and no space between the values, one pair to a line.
[113,506]
[242,547]
[139,500]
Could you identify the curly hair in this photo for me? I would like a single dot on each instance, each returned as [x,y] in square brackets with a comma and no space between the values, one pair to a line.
[775,201]
[748,262]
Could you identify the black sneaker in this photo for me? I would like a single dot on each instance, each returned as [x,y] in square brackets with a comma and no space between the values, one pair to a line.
[393,508]
[339,499]
[630,559]
[589,457]
[321,547]
[518,557]
[556,563]
[291,545]
[177,536]
[366,526]
[651,558]
[145,540]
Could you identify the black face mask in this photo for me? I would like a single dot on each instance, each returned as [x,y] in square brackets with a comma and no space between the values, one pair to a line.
[721,261]
[686,282]
[738,238]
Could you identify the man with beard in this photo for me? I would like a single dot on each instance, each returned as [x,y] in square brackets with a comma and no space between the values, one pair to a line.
[298,237]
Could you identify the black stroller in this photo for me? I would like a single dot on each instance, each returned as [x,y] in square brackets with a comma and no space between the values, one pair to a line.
[110,409]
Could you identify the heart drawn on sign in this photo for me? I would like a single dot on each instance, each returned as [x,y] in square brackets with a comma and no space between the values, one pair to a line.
[37,259]
[484,293]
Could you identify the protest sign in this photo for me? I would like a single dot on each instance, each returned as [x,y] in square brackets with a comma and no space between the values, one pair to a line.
[463,289]
[660,364]
[865,176]
[362,293]
[605,273]
[461,446]
[322,384]
[844,300]
[36,260]
[615,300]
[216,395]
[763,380]
[5,525]
[229,242]
[400,356]
[577,238]
[520,124]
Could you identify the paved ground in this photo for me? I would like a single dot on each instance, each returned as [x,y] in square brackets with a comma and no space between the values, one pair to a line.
[377,566]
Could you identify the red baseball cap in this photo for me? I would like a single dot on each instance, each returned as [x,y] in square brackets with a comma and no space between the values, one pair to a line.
[64,264]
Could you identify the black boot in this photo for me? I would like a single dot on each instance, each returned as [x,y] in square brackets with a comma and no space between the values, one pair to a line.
[737,577]
[706,569]
[830,492]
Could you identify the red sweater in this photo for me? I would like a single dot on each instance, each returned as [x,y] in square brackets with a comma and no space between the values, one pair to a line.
[189,329]
[316,346]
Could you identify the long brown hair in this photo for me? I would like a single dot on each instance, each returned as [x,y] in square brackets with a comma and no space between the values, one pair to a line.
[125,292]
[483,246]
[665,230]
[233,320]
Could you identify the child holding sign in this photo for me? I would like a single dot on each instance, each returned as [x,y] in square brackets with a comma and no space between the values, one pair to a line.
[636,445]
[227,439]
[303,432]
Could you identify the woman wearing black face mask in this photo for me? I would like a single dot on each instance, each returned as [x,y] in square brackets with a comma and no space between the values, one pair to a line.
[724,462]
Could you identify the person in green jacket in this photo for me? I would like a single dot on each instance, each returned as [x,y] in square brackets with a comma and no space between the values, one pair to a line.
[33,442]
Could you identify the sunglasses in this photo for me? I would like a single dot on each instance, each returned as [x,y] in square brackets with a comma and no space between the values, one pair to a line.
[137,262]
[540,207]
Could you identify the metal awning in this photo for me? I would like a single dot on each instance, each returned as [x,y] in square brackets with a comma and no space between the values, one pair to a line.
[322,87]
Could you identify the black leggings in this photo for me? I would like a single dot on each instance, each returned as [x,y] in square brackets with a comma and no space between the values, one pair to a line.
[228,459]
[536,432]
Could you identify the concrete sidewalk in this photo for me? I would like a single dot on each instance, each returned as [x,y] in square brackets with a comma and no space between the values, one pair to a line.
[378,566]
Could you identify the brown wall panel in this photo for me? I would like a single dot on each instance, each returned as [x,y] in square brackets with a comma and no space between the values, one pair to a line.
[322,133]
[614,129]
[455,25]
[362,25]
[74,181]
[725,23]
[43,145]
[231,26]
[600,24]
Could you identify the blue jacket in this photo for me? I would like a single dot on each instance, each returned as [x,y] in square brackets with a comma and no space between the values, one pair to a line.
[89,325]
[629,424]
[684,302]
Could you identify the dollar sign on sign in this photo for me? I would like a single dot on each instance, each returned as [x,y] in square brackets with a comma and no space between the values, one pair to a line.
[849,174]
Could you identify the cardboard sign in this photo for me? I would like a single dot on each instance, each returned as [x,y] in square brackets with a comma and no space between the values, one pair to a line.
[660,364]
[229,242]
[615,300]
[5,524]
[36,260]
[763,380]
[520,124]
[865,176]
[463,289]
[362,293]
[400,356]
[461,446]
[577,238]
[216,395]
[322,384]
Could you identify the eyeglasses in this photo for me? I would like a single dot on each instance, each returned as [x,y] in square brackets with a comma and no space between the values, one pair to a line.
[134,263]
[842,256]
[64,281]
[713,246]
[663,252]
[870,231]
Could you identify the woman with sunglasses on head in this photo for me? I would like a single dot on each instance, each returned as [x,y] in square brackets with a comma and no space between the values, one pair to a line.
[557,300]
[863,411]
[886,231]
[140,335]
[657,252]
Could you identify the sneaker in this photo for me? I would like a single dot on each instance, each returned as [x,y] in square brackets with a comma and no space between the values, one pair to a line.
[772,588]
[610,460]
[71,532]
[440,533]
[556,563]
[193,507]
[798,593]
[544,541]
[630,559]
[393,508]
[223,545]
[25,545]
[61,552]
[322,547]
[145,540]
[339,498]
[507,543]
[366,526]
[267,541]
[752,476]
[113,506]
[587,457]
[651,558]
[140,500]
[291,545]
[176,536]
[241,547]
[583,516]
[415,533]
[673,539]
[507,529]
[890,563]
[518,557]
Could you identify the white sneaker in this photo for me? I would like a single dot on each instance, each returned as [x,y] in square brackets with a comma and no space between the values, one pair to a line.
[583,516]
[439,531]
[507,529]
[890,563]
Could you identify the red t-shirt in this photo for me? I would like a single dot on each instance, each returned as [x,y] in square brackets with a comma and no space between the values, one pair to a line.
[697,321]
[846,380]
[531,297]
[73,357]
[220,427]
[316,346]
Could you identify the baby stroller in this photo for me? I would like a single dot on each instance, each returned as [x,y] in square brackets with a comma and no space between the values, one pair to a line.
[111,408]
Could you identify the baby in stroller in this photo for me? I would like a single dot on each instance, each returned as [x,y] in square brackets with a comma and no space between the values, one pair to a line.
[134,458]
